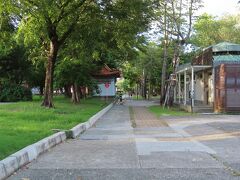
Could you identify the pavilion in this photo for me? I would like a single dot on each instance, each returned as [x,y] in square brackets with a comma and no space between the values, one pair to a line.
[211,82]
[106,81]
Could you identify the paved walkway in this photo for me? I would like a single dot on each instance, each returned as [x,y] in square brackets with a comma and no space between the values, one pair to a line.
[178,148]
[143,118]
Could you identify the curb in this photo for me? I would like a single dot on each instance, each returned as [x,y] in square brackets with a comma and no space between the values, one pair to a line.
[26,155]
[19,159]
[79,129]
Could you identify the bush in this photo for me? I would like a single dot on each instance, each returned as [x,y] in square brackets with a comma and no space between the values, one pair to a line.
[14,92]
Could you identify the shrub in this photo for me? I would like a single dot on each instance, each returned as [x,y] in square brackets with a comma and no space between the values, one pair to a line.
[13,92]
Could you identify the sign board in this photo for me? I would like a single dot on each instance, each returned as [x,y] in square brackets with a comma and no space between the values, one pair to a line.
[107,85]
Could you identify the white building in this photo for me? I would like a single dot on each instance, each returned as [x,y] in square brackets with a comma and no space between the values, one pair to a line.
[211,82]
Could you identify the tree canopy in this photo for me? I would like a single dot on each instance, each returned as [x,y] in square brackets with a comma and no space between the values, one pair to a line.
[106,31]
[58,44]
[209,30]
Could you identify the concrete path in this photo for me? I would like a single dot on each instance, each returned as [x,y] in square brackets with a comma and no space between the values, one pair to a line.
[143,118]
[180,148]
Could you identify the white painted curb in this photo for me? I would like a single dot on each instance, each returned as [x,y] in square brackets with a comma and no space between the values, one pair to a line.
[79,129]
[17,160]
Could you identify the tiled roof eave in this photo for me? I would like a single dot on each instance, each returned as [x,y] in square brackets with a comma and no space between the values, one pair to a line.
[226,59]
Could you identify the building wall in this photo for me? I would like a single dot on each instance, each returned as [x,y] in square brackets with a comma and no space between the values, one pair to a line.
[227,97]
[106,91]
[211,89]
[199,88]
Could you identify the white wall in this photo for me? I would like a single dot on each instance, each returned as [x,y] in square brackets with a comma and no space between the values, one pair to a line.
[211,90]
[110,91]
[199,89]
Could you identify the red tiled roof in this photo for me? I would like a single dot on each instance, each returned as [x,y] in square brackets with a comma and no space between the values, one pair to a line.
[107,71]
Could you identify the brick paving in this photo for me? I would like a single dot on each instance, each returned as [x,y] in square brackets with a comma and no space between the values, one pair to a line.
[143,118]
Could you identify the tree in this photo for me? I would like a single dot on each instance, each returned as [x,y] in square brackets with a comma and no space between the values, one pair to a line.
[51,23]
[37,76]
[209,30]
[175,18]
[143,71]
[76,74]
[108,36]
[14,66]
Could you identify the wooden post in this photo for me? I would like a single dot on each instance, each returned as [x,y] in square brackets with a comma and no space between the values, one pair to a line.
[185,87]
[175,94]
[137,90]
[179,88]
[213,87]
[192,89]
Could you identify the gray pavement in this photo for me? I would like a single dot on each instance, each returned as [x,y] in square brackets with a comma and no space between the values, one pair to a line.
[198,147]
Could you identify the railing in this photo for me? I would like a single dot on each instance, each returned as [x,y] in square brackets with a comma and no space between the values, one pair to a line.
[205,58]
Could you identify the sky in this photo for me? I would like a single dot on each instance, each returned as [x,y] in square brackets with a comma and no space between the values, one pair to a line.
[215,8]
[220,7]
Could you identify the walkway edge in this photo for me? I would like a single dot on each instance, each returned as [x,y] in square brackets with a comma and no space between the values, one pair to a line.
[26,155]
[80,128]
[19,159]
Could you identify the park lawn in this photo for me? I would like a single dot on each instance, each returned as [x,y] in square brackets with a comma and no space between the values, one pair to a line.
[24,123]
[139,97]
[160,111]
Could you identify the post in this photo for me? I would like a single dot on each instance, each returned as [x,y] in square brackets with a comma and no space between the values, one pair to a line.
[175,94]
[213,86]
[144,85]
[179,88]
[192,89]
[185,87]
[137,90]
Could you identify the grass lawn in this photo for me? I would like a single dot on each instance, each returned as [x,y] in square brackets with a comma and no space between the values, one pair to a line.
[24,123]
[160,111]
[139,97]
[134,97]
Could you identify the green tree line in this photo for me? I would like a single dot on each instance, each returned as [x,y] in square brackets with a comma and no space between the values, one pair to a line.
[60,44]
[64,41]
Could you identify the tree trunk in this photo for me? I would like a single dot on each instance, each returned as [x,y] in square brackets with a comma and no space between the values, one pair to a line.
[74,98]
[85,92]
[41,90]
[164,72]
[67,91]
[164,65]
[144,88]
[173,84]
[75,94]
[81,93]
[137,91]
[48,90]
